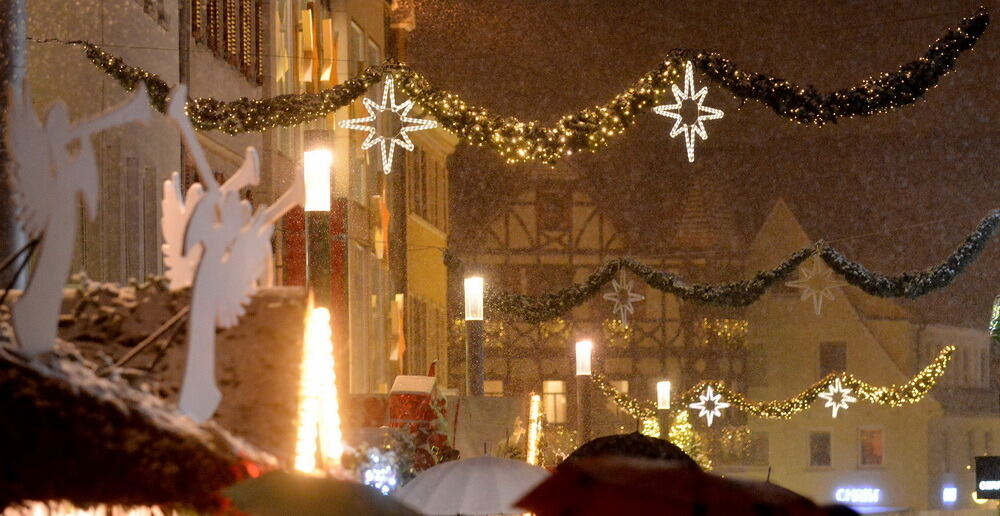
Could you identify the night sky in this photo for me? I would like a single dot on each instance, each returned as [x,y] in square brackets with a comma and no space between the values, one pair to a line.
[896,192]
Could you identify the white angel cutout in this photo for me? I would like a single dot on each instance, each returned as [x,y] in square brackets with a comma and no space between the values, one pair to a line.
[234,248]
[177,208]
[53,165]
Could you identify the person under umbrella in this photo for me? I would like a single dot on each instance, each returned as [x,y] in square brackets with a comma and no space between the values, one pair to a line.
[620,485]
[634,444]
[481,485]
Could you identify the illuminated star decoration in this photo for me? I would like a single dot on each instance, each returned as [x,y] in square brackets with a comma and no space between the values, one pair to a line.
[710,396]
[845,397]
[696,128]
[387,142]
[816,284]
[623,298]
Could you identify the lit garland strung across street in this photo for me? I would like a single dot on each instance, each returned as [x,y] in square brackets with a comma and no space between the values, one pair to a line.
[889,91]
[588,129]
[911,285]
[889,396]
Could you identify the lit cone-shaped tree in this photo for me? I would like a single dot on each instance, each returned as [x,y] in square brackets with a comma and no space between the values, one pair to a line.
[682,434]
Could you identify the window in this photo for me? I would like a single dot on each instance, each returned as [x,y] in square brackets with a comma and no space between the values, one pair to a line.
[374,55]
[870,447]
[832,358]
[493,388]
[554,400]
[553,210]
[757,365]
[357,50]
[819,449]
[759,449]
[234,31]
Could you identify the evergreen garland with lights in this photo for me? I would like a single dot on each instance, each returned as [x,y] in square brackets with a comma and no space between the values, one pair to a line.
[912,391]
[586,130]
[742,293]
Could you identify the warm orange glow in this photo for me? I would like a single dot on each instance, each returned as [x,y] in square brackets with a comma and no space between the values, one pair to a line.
[319,444]
[66,509]
[534,428]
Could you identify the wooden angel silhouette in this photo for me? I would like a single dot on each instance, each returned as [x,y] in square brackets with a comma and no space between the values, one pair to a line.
[52,166]
[234,245]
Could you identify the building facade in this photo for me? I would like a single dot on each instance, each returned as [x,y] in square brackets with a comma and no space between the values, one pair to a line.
[225,60]
[255,49]
[916,457]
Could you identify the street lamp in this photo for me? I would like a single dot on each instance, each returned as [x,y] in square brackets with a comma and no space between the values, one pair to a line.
[317,162]
[474,353]
[663,395]
[474,286]
[584,350]
[317,165]
[584,355]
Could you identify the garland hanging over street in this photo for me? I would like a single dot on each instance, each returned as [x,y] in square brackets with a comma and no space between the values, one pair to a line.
[910,392]
[877,95]
[911,285]
[588,129]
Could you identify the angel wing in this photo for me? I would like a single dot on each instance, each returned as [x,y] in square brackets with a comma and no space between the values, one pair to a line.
[31,177]
[241,269]
[177,208]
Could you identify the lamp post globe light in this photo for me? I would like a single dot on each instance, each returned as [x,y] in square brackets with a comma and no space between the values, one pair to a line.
[474,352]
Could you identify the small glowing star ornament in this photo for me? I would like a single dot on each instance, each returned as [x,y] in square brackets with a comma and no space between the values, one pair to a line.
[623,297]
[844,399]
[694,129]
[816,284]
[715,401]
[377,134]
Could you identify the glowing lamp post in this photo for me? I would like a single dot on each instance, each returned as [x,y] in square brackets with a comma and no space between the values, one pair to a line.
[663,395]
[316,167]
[584,352]
[534,428]
[662,408]
[584,356]
[474,354]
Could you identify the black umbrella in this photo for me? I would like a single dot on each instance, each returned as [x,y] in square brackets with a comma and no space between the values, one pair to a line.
[633,445]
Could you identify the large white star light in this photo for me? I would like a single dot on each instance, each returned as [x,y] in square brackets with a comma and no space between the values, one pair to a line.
[623,297]
[843,397]
[816,284]
[709,399]
[385,131]
[693,129]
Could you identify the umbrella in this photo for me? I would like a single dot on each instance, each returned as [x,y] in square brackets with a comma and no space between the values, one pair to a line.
[632,445]
[482,485]
[617,485]
[280,493]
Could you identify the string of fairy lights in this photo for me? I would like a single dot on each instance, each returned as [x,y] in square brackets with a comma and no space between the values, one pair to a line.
[838,390]
[589,129]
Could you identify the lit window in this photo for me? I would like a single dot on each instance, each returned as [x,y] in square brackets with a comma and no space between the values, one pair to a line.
[870,447]
[493,388]
[819,449]
[554,398]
